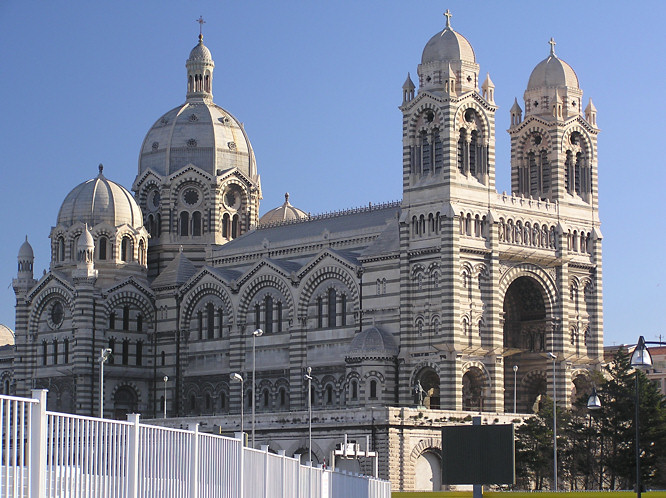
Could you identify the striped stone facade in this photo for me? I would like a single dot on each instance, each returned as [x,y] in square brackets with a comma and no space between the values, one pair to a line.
[415,311]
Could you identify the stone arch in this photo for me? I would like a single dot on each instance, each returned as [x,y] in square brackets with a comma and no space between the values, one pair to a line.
[192,298]
[566,139]
[581,385]
[320,275]
[43,300]
[481,114]
[428,377]
[255,286]
[123,297]
[426,463]
[532,389]
[412,130]
[126,398]
[547,284]
[475,381]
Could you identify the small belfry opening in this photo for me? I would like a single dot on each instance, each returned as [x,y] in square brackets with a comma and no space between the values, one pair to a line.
[429,381]
[473,389]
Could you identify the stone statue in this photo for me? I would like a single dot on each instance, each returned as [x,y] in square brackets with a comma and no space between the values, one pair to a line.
[420,393]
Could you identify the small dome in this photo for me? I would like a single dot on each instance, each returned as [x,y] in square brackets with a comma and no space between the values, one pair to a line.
[100,201]
[448,45]
[552,72]
[200,52]
[25,252]
[86,241]
[6,336]
[373,342]
[286,212]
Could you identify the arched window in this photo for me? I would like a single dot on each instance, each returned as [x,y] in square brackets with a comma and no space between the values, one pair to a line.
[112,320]
[343,310]
[473,154]
[101,243]
[210,320]
[45,353]
[163,355]
[220,322]
[200,324]
[126,352]
[139,323]
[126,317]
[283,396]
[320,312]
[257,316]
[426,153]
[463,152]
[139,353]
[331,307]
[279,316]
[207,401]
[373,389]
[225,225]
[235,226]
[142,253]
[66,351]
[329,394]
[196,224]
[55,351]
[268,314]
[265,397]
[112,347]
[223,401]
[126,249]
[184,222]
[354,390]
[61,249]
[439,151]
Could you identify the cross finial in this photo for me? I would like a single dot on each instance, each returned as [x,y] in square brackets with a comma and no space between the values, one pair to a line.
[448,16]
[552,46]
[201,23]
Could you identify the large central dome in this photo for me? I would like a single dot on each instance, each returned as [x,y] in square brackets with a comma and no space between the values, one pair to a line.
[197,132]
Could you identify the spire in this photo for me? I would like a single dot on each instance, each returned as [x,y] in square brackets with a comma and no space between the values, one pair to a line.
[488,89]
[516,113]
[408,90]
[591,113]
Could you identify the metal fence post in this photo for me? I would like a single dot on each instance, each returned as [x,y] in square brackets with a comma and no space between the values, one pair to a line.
[283,470]
[297,456]
[194,461]
[133,454]
[241,463]
[38,445]
[264,448]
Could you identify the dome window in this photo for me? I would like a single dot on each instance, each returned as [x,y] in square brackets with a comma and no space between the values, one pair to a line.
[469,115]
[191,142]
[155,146]
[231,145]
[193,117]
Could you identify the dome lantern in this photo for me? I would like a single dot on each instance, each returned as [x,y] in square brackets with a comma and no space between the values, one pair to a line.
[200,71]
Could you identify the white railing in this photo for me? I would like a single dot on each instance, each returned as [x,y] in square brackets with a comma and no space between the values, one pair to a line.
[48,455]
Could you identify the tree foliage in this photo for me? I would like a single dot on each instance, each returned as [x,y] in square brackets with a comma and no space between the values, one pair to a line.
[597,450]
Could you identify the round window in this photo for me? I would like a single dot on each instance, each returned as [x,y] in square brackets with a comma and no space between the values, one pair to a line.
[230,199]
[154,200]
[191,197]
[57,314]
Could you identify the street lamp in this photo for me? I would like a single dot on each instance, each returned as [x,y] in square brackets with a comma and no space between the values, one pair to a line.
[515,371]
[255,334]
[593,405]
[103,356]
[166,379]
[553,357]
[308,377]
[640,358]
[239,378]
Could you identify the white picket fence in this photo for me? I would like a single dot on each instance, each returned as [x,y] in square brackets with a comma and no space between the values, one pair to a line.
[48,455]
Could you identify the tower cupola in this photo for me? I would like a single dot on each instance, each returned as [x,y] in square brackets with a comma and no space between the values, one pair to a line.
[26,259]
[200,67]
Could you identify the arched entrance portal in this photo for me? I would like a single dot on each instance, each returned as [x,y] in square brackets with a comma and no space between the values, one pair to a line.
[429,381]
[124,402]
[428,472]
[473,389]
[527,337]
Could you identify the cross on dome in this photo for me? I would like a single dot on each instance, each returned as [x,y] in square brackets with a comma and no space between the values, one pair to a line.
[448,16]
[552,46]
[201,23]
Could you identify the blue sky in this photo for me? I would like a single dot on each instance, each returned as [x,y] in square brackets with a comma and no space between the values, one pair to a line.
[318,85]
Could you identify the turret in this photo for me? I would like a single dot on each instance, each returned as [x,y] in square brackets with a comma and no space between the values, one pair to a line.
[408,90]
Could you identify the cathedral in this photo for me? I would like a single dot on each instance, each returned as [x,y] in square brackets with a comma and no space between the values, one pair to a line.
[456,300]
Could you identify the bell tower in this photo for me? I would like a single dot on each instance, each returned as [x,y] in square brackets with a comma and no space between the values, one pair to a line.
[554,149]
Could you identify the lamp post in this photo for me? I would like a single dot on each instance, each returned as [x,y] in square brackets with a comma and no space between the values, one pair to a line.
[255,334]
[239,378]
[553,357]
[593,404]
[640,358]
[308,377]
[165,379]
[515,372]
[103,356]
